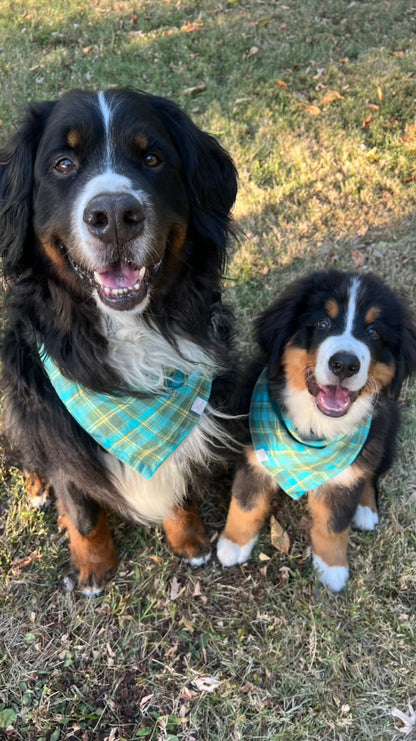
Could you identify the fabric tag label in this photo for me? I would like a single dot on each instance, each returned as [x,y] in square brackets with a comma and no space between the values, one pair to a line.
[262,455]
[199,405]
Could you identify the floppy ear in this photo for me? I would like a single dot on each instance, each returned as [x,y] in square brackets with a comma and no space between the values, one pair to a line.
[278,323]
[16,184]
[406,360]
[210,173]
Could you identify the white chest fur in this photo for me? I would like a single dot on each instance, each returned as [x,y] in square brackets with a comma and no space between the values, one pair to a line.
[139,354]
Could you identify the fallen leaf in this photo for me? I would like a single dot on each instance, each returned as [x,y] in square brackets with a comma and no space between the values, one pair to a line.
[284,573]
[188,694]
[380,95]
[86,50]
[196,89]
[192,26]
[281,83]
[145,700]
[278,536]
[409,721]
[373,106]
[358,258]
[367,122]
[174,589]
[22,563]
[330,96]
[251,52]
[313,110]
[206,683]
[264,557]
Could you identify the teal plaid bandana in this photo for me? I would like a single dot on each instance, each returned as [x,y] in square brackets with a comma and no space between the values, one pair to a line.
[141,432]
[297,465]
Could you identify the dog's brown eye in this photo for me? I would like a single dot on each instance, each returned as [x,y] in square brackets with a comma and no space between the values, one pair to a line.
[65,165]
[323,323]
[152,159]
[372,333]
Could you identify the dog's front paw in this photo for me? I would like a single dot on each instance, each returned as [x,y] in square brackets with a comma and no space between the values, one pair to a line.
[38,490]
[334,577]
[230,553]
[365,518]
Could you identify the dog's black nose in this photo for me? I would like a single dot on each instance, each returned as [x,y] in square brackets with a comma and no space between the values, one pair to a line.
[344,364]
[114,218]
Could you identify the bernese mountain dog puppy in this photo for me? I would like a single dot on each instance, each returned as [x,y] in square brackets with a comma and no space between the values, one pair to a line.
[335,349]
[114,224]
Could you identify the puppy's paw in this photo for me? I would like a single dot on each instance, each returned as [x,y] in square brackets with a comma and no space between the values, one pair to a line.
[230,553]
[334,577]
[365,518]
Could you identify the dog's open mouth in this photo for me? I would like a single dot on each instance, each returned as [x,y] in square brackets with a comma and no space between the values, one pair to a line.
[121,285]
[333,401]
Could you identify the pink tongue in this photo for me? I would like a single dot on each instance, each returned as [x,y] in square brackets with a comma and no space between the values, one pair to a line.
[119,276]
[333,400]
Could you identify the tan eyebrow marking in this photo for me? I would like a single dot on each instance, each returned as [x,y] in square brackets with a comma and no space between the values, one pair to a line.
[73,138]
[141,141]
[332,308]
[372,314]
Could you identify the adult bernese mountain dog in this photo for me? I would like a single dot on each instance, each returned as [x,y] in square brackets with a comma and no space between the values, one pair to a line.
[334,350]
[114,224]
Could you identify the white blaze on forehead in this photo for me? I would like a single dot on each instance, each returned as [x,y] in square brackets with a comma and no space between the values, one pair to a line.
[352,306]
[344,342]
[106,113]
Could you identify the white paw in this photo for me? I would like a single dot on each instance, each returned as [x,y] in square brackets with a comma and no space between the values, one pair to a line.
[334,577]
[93,591]
[365,518]
[230,553]
[201,560]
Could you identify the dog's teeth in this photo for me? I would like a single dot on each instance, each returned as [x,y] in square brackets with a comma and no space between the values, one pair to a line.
[97,278]
[142,273]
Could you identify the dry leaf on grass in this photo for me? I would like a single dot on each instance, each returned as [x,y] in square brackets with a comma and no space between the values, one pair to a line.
[313,110]
[358,258]
[196,89]
[281,83]
[330,96]
[278,536]
[174,589]
[206,683]
[409,721]
[251,52]
[192,26]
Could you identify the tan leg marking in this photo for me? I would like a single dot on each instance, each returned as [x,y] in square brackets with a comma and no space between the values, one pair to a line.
[93,555]
[243,525]
[186,535]
[329,546]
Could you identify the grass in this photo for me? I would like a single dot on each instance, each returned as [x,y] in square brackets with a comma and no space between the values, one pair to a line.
[323,182]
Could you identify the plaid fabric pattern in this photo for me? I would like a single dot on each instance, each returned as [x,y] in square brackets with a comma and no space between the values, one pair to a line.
[141,432]
[297,465]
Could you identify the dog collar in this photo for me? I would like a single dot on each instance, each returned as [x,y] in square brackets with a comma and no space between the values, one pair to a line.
[140,431]
[296,464]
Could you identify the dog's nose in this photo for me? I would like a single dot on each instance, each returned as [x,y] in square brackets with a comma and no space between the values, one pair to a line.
[114,218]
[344,364]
